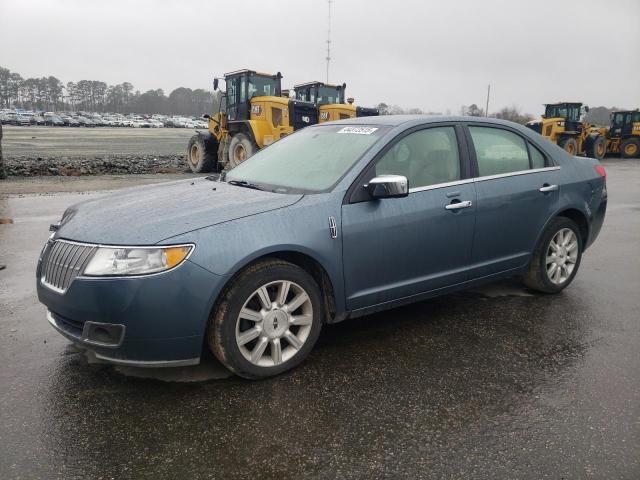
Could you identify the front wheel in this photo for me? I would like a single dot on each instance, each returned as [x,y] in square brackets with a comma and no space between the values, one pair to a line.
[569,145]
[630,148]
[556,259]
[268,320]
[241,147]
[597,148]
[202,154]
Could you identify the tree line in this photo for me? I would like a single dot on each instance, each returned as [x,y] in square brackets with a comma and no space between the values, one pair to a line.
[50,93]
[513,113]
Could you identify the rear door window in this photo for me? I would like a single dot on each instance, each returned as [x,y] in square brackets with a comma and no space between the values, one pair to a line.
[499,151]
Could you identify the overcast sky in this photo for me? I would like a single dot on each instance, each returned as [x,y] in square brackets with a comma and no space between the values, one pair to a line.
[433,55]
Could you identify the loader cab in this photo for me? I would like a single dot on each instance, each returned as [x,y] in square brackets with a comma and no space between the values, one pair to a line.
[570,112]
[622,123]
[320,93]
[243,85]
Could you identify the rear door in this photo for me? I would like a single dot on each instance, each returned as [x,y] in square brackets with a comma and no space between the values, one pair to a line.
[517,190]
[398,247]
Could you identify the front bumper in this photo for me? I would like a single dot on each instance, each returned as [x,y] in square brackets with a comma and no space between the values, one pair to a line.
[152,321]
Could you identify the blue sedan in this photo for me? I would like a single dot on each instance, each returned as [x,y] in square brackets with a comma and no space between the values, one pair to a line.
[333,222]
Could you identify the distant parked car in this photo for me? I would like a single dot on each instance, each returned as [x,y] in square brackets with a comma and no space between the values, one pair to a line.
[71,122]
[37,120]
[54,121]
[85,122]
[22,120]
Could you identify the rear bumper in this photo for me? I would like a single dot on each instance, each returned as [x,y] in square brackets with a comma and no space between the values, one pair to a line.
[598,218]
[153,321]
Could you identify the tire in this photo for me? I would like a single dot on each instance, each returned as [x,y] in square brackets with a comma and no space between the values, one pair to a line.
[202,154]
[569,145]
[241,147]
[257,357]
[597,147]
[541,275]
[630,148]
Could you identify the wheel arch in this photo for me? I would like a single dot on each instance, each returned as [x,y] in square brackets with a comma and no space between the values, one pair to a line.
[242,126]
[575,214]
[304,260]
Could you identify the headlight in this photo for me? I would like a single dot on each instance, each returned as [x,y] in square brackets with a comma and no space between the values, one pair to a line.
[107,261]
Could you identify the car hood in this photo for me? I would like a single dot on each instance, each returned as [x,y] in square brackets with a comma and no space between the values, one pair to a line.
[150,214]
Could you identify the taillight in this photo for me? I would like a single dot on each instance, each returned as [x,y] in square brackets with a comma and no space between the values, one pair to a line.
[601,171]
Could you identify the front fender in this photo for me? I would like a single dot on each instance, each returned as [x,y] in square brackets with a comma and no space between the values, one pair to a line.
[302,228]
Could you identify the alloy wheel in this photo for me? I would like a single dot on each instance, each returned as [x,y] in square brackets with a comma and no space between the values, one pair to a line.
[274,323]
[562,256]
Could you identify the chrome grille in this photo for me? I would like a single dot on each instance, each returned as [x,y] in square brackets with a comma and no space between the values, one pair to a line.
[63,262]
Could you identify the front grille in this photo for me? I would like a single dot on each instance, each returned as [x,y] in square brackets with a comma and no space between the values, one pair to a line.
[63,262]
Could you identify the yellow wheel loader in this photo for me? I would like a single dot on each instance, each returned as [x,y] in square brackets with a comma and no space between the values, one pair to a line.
[252,113]
[623,135]
[562,124]
[330,101]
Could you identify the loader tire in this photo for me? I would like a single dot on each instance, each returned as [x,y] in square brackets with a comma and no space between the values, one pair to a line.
[597,147]
[241,147]
[202,154]
[630,148]
[569,145]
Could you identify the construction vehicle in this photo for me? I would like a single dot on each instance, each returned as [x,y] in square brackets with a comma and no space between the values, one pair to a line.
[562,124]
[330,101]
[623,135]
[252,113]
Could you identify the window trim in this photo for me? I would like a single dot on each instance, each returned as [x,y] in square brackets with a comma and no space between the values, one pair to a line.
[548,161]
[354,194]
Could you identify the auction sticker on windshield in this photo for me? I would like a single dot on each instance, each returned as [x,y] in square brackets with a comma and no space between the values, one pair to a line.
[358,130]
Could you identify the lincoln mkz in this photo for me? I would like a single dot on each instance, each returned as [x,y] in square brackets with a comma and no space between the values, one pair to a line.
[335,221]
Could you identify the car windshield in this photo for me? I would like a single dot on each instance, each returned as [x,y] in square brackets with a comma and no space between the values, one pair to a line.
[311,160]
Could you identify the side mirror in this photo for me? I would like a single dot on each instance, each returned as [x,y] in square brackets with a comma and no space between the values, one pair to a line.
[586,108]
[388,186]
[215,84]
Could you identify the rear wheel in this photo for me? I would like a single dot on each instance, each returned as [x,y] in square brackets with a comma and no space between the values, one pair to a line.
[556,260]
[241,147]
[569,145]
[630,148]
[268,320]
[202,154]
[597,147]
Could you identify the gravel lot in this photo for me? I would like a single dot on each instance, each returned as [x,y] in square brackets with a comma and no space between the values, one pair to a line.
[492,383]
[88,142]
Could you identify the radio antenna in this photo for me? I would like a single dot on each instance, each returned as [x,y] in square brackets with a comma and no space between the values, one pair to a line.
[329,39]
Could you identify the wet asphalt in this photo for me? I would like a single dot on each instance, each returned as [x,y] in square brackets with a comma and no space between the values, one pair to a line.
[497,382]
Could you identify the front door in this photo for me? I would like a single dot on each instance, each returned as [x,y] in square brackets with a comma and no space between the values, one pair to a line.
[399,247]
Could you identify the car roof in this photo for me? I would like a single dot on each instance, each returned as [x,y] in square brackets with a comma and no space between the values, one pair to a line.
[397,120]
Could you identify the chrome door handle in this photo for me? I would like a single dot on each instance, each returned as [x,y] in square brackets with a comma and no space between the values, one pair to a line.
[548,188]
[458,205]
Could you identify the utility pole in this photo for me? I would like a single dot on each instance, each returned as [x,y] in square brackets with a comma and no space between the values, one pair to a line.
[329,39]
[486,110]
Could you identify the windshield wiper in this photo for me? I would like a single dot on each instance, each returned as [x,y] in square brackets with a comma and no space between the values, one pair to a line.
[244,183]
